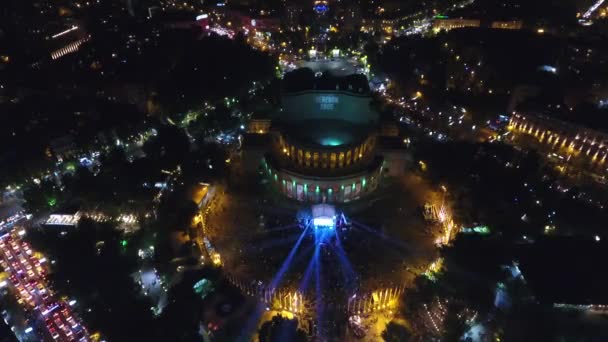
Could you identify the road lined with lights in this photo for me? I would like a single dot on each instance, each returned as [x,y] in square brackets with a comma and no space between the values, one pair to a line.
[27,276]
[453,123]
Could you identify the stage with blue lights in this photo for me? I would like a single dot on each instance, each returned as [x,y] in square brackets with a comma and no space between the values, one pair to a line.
[323,216]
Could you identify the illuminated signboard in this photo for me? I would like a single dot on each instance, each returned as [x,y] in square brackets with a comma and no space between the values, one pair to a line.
[327,102]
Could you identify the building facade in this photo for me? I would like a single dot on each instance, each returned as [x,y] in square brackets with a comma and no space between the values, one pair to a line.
[450,24]
[324,146]
[507,25]
[568,144]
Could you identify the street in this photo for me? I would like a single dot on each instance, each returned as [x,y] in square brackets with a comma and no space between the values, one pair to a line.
[52,317]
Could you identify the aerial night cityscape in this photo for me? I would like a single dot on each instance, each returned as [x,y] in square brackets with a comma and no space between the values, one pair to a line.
[304,170]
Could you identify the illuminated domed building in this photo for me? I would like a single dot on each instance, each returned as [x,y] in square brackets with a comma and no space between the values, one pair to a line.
[325,143]
[320,7]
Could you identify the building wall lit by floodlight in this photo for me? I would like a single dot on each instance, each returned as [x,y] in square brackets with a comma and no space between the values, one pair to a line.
[562,142]
[326,142]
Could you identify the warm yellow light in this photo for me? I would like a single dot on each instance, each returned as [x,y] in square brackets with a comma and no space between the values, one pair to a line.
[216,259]
[95,336]
[423,166]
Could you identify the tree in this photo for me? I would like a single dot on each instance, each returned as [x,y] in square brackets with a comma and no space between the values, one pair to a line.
[423,292]
[454,325]
[170,147]
[181,318]
[281,329]
[396,332]
[94,267]
[208,162]
[41,197]
[197,75]
[371,49]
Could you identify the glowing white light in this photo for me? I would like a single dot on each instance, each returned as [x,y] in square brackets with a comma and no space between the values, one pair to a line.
[548,68]
[202,16]
[592,9]
[46,312]
[64,32]
[323,222]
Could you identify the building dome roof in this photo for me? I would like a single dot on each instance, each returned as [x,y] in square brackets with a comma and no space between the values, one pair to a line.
[325,133]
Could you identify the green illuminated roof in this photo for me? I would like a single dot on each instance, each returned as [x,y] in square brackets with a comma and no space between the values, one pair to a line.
[330,141]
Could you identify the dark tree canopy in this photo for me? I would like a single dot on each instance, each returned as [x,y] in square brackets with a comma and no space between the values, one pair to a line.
[396,333]
[95,269]
[281,329]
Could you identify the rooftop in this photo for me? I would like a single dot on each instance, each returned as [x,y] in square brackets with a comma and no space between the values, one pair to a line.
[326,133]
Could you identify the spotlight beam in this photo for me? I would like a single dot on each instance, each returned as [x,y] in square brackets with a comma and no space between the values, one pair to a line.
[279,276]
[345,266]
[318,293]
[311,264]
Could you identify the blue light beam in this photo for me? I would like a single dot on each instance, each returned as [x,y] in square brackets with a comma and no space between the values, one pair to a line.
[283,269]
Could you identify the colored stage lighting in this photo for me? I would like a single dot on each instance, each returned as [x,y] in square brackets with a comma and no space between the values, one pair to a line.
[323,222]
